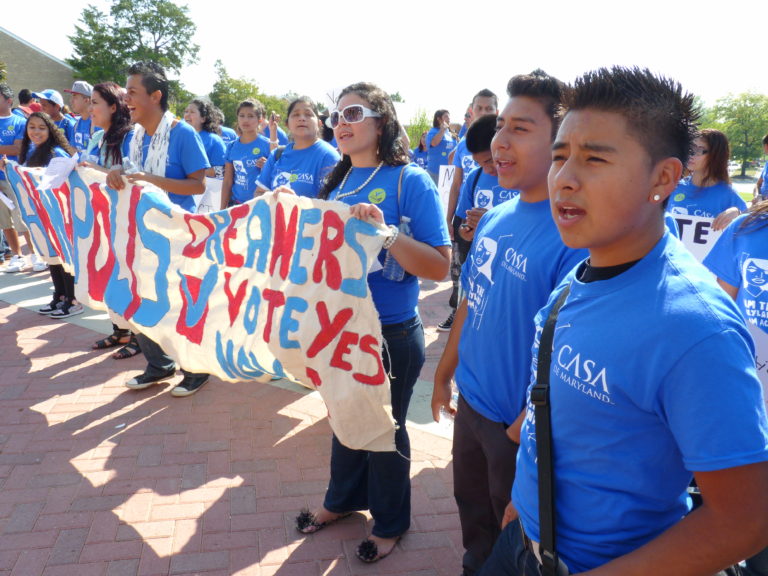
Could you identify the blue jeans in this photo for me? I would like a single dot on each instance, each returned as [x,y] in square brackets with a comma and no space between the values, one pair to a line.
[158,362]
[380,481]
[510,557]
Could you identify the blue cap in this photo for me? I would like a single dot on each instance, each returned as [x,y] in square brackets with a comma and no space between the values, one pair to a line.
[51,95]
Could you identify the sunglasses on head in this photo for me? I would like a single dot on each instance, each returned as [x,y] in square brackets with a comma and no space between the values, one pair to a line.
[351,114]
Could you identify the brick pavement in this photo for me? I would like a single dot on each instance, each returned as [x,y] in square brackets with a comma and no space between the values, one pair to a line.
[97,479]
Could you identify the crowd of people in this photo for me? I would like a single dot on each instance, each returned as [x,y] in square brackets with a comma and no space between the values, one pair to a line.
[603,373]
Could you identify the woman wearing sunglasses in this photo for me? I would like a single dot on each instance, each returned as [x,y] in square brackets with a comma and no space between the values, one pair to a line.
[375,178]
[304,163]
[707,191]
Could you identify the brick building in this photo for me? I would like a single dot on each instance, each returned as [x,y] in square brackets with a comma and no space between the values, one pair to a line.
[30,67]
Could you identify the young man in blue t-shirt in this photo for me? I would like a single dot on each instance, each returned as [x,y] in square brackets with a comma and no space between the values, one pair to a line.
[652,375]
[481,190]
[80,103]
[517,259]
[483,103]
[182,175]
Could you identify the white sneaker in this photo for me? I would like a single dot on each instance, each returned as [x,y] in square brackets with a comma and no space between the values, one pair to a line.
[17,264]
[38,265]
[67,310]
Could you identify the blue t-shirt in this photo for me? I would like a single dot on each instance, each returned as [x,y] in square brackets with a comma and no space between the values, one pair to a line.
[462,158]
[97,150]
[463,130]
[82,134]
[186,155]
[517,259]
[214,147]
[398,301]
[303,171]
[282,137]
[707,202]
[671,225]
[740,258]
[228,135]
[419,157]
[245,172]
[11,130]
[438,155]
[764,176]
[67,127]
[57,152]
[487,193]
[652,378]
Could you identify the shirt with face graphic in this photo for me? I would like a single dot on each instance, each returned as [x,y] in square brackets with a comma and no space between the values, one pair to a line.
[740,258]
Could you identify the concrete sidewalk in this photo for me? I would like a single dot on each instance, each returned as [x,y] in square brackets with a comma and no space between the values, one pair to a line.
[96,479]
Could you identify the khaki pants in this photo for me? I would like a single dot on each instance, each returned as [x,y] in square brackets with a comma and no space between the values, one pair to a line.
[10,218]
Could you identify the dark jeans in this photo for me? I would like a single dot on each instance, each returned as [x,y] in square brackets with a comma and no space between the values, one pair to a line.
[63,283]
[510,557]
[459,252]
[158,362]
[483,472]
[380,481]
[758,564]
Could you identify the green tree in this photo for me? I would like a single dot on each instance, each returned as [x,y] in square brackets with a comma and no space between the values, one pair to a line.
[395,97]
[3,71]
[228,92]
[419,124]
[178,98]
[744,119]
[159,30]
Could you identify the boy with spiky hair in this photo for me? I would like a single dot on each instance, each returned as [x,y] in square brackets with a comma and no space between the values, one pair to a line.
[652,376]
[517,259]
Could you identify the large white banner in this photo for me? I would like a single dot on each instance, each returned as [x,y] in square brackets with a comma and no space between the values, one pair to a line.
[273,287]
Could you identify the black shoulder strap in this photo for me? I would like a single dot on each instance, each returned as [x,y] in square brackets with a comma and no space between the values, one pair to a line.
[551,564]
[279,152]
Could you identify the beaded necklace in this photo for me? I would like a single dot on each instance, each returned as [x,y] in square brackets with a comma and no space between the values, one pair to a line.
[341,195]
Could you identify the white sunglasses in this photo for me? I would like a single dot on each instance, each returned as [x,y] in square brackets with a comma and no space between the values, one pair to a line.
[351,114]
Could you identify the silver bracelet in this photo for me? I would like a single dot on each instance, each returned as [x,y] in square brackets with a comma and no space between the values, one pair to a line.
[394,231]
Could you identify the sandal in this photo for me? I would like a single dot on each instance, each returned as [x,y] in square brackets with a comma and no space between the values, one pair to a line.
[368,551]
[306,521]
[114,339]
[129,350]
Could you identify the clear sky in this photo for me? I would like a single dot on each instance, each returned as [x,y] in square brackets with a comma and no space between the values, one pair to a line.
[437,54]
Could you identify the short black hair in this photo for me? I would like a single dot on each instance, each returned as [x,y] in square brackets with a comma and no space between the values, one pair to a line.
[480,133]
[153,78]
[485,93]
[24,96]
[548,90]
[658,112]
[6,91]
[257,106]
